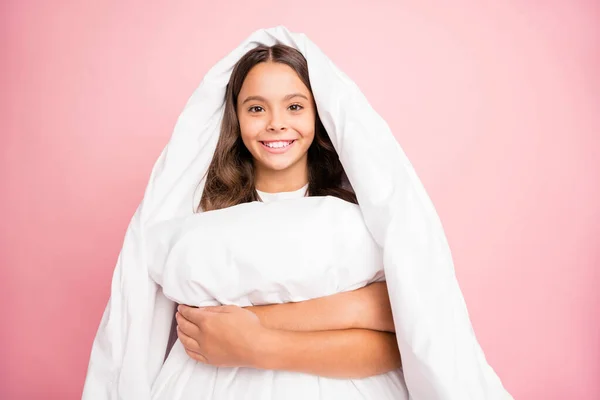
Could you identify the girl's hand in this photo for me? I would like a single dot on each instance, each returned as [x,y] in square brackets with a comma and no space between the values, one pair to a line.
[226,336]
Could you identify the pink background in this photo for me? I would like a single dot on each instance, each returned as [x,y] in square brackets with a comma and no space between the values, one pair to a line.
[496,105]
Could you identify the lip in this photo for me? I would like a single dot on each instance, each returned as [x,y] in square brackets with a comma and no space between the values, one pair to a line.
[280,150]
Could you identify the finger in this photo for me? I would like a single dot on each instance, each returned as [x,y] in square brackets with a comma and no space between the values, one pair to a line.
[190,328]
[190,313]
[186,311]
[196,356]
[193,351]
[180,316]
[188,342]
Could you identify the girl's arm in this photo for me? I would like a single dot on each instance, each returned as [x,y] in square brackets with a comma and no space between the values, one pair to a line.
[346,335]
[365,308]
[314,336]
[350,353]
[231,336]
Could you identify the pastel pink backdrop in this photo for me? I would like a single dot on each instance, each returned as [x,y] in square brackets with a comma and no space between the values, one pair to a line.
[496,106]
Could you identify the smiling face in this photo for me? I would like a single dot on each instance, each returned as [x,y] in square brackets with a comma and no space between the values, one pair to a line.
[276,114]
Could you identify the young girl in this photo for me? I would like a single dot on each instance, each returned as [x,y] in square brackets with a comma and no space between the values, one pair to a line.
[279,276]
[273,147]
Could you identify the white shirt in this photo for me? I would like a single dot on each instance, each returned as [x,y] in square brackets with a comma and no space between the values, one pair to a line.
[269,197]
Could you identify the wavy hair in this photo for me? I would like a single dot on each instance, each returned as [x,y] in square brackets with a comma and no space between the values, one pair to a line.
[230,178]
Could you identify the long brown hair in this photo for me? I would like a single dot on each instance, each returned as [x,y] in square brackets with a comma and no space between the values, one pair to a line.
[230,176]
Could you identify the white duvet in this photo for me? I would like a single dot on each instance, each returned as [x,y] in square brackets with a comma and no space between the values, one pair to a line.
[264,253]
[170,255]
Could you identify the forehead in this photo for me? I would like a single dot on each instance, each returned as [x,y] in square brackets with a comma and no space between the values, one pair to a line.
[272,80]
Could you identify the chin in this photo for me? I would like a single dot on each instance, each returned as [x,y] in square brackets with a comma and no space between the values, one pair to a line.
[277,166]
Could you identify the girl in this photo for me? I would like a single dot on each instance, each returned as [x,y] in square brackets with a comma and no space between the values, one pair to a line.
[273,147]
[279,277]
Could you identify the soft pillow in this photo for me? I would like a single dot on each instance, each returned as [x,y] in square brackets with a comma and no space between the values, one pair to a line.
[262,253]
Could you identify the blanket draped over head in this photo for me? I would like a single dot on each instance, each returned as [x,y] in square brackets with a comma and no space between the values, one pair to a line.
[441,357]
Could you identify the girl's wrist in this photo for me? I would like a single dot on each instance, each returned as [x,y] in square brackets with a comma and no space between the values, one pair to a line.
[268,349]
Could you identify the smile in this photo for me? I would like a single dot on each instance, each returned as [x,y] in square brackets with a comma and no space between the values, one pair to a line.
[278,147]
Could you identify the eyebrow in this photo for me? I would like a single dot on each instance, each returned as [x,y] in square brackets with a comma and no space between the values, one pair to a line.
[287,97]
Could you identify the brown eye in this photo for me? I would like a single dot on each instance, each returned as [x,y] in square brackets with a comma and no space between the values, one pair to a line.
[296,107]
[254,109]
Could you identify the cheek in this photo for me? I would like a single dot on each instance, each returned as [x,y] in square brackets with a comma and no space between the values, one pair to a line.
[310,137]
[250,128]
[306,127]
[308,131]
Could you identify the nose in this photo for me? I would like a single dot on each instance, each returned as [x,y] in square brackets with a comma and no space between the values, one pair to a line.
[276,124]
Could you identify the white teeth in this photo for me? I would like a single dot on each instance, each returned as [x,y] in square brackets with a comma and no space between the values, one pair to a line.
[277,145]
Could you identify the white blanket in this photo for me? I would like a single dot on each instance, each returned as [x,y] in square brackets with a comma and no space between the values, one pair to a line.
[440,354]
[264,253]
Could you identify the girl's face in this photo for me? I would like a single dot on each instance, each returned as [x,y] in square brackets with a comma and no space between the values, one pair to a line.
[277,120]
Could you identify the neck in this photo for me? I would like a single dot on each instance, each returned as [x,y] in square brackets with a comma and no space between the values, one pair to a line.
[288,180]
